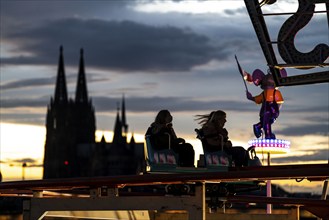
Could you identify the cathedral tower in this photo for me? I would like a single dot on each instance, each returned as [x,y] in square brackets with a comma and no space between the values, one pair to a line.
[70,128]
[71,149]
[57,148]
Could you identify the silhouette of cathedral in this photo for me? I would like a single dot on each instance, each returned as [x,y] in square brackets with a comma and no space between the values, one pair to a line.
[71,149]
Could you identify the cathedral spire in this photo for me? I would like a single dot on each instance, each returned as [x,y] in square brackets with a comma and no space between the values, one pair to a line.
[60,90]
[117,136]
[123,116]
[81,95]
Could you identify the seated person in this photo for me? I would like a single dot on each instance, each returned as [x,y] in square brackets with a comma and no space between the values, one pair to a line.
[164,137]
[216,137]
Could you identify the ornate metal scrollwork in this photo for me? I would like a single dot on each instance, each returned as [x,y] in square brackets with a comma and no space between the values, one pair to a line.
[287,34]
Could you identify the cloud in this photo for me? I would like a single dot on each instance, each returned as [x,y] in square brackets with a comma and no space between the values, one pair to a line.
[121,45]
[177,103]
[310,155]
[144,42]
[300,109]
[17,103]
[300,130]
[30,12]
[30,162]
[151,104]
[50,81]
[28,83]
[106,105]
[26,118]
[319,119]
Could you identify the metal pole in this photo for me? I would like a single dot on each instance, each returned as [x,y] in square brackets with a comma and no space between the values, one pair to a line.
[268,187]
[23,170]
[324,192]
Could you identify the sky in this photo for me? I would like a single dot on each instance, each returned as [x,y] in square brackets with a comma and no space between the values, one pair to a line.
[169,54]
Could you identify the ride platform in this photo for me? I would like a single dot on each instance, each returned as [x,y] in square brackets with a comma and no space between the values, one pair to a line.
[65,194]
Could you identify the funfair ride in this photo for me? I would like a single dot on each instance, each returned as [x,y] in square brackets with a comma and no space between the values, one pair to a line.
[213,185]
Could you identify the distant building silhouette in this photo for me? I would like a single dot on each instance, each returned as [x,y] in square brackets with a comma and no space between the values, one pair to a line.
[71,149]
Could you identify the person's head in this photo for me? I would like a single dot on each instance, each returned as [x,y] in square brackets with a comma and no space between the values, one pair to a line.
[217,117]
[163,117]
[257,77]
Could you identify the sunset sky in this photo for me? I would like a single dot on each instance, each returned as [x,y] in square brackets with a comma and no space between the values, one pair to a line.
[175,55]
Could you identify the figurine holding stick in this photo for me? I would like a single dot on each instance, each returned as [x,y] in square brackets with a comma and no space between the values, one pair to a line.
[271,100]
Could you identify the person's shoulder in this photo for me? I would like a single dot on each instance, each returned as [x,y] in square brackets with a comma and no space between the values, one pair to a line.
[149,131]
[208,127]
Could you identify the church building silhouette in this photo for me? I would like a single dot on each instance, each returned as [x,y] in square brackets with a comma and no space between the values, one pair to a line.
[71,149]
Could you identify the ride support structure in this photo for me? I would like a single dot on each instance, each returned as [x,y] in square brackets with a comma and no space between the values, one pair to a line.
[101,193]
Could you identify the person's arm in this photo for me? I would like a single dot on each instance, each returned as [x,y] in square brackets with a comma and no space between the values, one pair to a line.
[249,96]
[170,130]
[160,136]
[258,99]
[212,136]
[224,134]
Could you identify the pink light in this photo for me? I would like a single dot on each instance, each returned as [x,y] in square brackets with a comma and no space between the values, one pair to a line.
[276,146]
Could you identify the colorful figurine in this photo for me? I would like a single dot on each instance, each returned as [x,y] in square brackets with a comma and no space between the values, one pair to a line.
[271,100]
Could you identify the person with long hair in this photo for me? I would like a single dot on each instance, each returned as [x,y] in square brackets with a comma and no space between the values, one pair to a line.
[164,137]
[216,137]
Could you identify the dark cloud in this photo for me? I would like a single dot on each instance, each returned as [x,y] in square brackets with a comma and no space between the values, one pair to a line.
[301,109]
[50,81]
[310,155]
[108,104]
[129,45]
[28,83]
[235,12]
[144,104]
[29,162]
[136,104]
[141,104]
[119,45]
[104,104]
[300,130]
[30,12]
[17,103]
